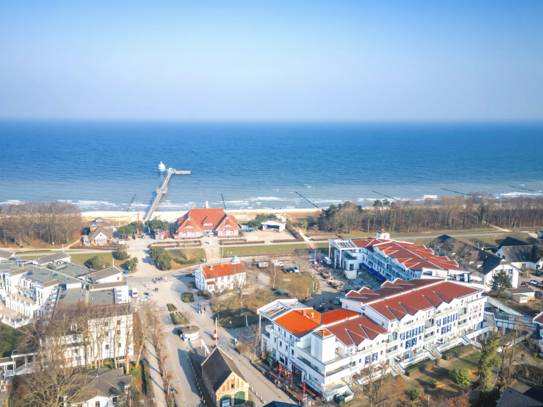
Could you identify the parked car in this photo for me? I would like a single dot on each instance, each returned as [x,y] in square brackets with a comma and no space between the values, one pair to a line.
[134,292]
[336,302]
[538,294]
[533,282]
[295,269]
[525,285]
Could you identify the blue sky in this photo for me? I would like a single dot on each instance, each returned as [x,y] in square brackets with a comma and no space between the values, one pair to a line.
[272,60]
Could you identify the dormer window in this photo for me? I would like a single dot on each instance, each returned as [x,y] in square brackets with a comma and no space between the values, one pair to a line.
[208,224]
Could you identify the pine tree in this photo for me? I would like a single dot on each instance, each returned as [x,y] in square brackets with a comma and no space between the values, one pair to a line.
[500,282]
[488,361]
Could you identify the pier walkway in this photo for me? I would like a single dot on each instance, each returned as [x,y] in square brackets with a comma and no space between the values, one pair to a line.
[160,192]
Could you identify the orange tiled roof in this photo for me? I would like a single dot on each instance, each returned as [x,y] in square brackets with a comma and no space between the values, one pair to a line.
[222,270]
[300,322]
[337,316]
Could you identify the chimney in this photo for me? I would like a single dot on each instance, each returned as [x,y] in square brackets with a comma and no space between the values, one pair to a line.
[303,312]
[313,316]
[211,267]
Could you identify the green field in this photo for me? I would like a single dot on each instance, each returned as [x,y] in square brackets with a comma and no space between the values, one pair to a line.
[262,249]
[81,258]
[196,257]
[8,340]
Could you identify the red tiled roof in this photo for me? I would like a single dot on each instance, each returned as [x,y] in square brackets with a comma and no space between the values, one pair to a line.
[367,242]
[323,333]
[355,330]
[299,322]
[222,270]
[210,282]
[337,315]
[389,288]
[206,219]
[409,303]
[415,257]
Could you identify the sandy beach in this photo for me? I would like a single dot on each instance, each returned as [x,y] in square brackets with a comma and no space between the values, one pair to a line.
[118,218]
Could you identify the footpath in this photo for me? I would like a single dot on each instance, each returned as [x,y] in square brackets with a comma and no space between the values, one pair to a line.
[154,372]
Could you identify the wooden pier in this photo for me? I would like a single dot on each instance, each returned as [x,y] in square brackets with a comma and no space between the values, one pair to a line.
[160,192]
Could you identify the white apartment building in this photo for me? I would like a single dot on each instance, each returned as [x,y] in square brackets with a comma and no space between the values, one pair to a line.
[400,323]
[32,291]
[391,259]
[218,277]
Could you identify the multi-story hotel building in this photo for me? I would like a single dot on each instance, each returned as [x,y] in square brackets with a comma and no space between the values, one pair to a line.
[398,324]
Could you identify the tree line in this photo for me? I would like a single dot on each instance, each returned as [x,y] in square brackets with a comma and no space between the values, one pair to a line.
[446,212]
[53,222]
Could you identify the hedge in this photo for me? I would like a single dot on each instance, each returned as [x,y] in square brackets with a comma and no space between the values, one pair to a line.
[532,373]
[147,380]
[187,297]
[456,351]
[419,367]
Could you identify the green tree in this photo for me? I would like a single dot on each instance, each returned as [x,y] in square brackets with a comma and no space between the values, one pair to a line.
[161,258]
[459,375]
[120,254]
[501,281]
[157,224]
[377,203]
[96,263]
[131,264]
[488,361]
[127,230]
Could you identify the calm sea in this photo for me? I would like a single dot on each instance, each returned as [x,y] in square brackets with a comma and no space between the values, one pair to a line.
[113,165]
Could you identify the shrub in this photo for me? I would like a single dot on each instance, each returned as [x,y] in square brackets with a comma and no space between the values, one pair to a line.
[171,307]
[207,295]
[146,380]
[413,394]
[96,263]
[187,297]
[242,349]
[120,254]
[191,285]
[459,375]
[433,383]
[161,258]
[200,293]
[456,351]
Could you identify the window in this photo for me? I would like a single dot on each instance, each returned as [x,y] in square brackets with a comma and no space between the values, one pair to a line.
[107,347]
[97,404]
[232,386]
[118,322]
[119,345]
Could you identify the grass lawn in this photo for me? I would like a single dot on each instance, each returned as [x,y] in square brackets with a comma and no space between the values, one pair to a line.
[304,278]
[81,258]
[441,374]
[8,340]
[263,249]
[196,255]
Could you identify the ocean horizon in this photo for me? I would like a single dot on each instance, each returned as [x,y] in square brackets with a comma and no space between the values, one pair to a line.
[113,165]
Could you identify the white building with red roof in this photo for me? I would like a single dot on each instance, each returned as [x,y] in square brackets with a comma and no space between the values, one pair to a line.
[219,277]
[202,222]
[391,259]
[397,325]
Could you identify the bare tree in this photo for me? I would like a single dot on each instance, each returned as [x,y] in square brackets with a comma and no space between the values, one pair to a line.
[147,319]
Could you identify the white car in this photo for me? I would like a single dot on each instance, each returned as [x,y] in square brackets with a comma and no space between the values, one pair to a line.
[134,292]
[295,269]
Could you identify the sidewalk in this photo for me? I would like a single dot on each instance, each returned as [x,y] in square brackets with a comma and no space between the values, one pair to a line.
[154,372]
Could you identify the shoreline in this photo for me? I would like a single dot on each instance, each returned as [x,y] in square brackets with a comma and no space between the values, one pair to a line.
[242,215]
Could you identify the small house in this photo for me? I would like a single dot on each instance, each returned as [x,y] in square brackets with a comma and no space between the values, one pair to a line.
[53,258]
[160,234]
[101,236]
[107,275]
[272,224]
[99,222]
[223,380]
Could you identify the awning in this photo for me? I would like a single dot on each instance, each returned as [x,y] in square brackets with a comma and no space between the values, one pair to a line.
[380,277]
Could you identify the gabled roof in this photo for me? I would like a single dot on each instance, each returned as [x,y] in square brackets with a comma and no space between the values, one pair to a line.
[354,331]
[103,382]
[6,254]
[222,270]
[513,398]
[217,367]
[511,241]
[100,229]
[415,257]
[539,318]
[104,273]
[299,322]
[206,219]
[368,242]
[521,253]
[99,222]
[389,288]
[52,257]
[409,303]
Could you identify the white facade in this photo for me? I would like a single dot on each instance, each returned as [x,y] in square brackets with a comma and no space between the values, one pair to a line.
[521,264]
[326,358]
[512,271]
[219,277]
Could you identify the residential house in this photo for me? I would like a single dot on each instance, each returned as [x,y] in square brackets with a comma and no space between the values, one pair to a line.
[218,277]
[391,259]
[486,264]
[528,398]
[399,324]
[521,254]
[101,236]
[202,222]
[99,223]
[160,234]
[223,380]
[107,275]
[102,387]
[5,255]
[53,258]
